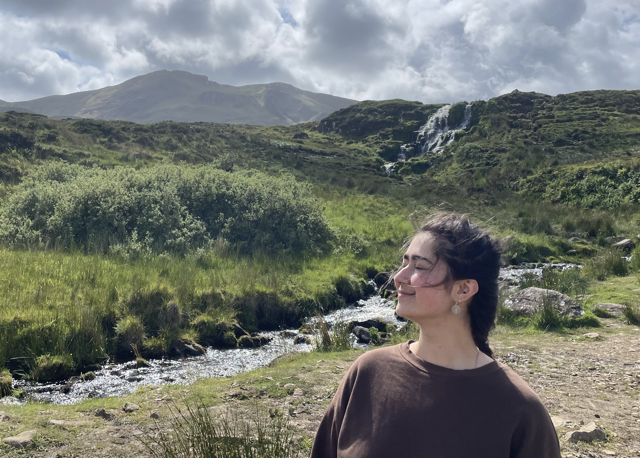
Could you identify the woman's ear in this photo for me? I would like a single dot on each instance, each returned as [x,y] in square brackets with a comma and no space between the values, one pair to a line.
[464,290]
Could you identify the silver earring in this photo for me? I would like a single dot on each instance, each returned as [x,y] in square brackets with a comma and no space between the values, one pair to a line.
[455,309]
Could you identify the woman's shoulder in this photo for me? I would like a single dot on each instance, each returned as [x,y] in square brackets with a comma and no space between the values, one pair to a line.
[380,357]
[512,383]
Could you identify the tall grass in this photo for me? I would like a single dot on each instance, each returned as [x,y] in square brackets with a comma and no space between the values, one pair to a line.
[196,431]
[605,263]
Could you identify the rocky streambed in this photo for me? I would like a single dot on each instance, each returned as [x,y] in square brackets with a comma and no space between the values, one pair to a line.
[115,380]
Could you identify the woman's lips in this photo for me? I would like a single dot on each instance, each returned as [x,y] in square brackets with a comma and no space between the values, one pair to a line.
[405,293]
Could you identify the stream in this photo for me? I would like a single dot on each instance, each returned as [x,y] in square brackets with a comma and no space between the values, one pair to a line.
[115,380]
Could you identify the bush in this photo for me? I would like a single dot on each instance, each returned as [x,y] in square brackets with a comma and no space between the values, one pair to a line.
[199,432]
[336,339]
[631,313]
[164,208]
[129,331]
[49,368]
[571,281]
[605,263]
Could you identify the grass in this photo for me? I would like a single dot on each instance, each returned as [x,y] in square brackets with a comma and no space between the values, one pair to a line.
[196,431]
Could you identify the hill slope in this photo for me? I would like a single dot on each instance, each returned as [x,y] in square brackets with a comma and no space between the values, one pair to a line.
[182,96]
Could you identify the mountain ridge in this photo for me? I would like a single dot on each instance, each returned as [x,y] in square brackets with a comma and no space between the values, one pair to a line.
[186,97]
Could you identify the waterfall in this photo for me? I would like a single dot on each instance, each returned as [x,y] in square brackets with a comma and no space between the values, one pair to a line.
[435,134]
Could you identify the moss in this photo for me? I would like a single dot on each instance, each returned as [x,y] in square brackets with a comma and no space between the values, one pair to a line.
[50,368]
[588,320]
[6,384]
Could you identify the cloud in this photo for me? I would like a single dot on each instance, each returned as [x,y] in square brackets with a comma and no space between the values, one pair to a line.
[427,50]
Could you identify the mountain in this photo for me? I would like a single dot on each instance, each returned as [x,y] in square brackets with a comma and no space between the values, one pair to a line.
[183,96]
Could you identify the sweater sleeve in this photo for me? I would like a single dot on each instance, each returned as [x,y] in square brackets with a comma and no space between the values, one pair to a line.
[325,444]
[535,436]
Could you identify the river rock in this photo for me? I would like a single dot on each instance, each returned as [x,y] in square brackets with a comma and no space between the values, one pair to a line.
[253,341]
[377,323]
[362,334]
[301,339]
[625,245]
[21,440]
[4,417]
[130,407]
[530,300]
[587,433]
[188,348]
[288,334]
[614,309]
[591,335]
[10,401]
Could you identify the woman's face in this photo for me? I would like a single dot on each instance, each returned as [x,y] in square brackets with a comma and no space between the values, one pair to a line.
[418,299]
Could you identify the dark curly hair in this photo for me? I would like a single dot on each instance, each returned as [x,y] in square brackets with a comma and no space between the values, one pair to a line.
[469,253]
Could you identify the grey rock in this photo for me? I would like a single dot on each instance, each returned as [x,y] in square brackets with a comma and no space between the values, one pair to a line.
[574,240]
[4,417]
[188,348]
[130,407]
[362,334]
[587,433]
[625,245]
[10,401]
[614,239]
[591,335]
[558,422]
[154,415]
[289,388]
[288,333]
[378,323]
[530,300]
[21,440]
[298,393]
[614,309]
[301,339]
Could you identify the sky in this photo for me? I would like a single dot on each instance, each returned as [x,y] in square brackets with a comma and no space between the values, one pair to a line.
[433,51]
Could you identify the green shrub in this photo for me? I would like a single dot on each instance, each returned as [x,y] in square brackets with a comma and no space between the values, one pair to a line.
[196,431]
[53,367]
[588,320]
[592,224]
[547,318]
[338,338]
[571,281]
[602,313]
[165,208]
[129,331]
[6,383]
[631,313]
[605,263]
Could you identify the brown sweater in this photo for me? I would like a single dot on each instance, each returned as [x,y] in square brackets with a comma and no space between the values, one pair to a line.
[393,404]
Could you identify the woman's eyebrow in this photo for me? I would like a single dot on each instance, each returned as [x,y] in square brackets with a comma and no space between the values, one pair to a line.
[417,257]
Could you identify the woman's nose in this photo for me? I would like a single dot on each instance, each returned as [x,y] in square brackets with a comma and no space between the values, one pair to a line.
[401,276]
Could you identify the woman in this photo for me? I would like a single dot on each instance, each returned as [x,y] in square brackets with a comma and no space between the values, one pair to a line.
[444,395]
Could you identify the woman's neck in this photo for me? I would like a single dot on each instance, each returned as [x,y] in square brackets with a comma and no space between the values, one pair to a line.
[449,343]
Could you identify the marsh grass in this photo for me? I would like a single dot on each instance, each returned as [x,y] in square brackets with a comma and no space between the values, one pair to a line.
[571,281]
[195,430]
[338,338]
[631,313]
[607,262]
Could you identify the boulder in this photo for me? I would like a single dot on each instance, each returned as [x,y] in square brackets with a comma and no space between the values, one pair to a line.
[591,335]
[253,341]
[530,300]
[614,239]
[21,440]
[625,245]
[130,407]
[188,348]
[288,334]
[301,339]
[377,323]
[614,309]
[362,334]
[574,240]
[587,433]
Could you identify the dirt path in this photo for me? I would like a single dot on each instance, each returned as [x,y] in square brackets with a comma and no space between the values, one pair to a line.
[579,379]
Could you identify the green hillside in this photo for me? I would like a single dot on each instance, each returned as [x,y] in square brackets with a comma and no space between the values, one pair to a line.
[182,96]
[103,222]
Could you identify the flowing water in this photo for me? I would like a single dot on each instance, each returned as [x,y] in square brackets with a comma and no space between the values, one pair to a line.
[115,380]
